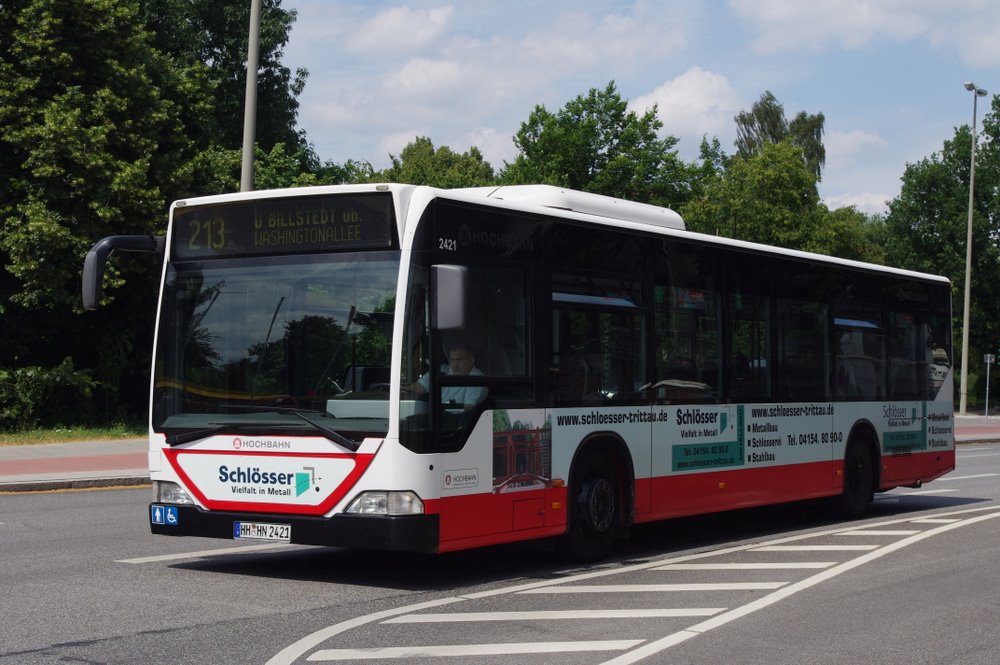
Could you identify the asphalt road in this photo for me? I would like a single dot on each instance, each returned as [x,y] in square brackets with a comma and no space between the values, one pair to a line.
[915,582]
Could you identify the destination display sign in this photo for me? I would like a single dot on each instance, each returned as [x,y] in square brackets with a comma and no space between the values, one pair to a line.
[289,225]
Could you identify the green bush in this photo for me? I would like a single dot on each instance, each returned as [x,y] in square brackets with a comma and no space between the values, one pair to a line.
[35,396]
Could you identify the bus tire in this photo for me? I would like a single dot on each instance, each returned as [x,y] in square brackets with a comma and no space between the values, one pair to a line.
[594,515]
[859,480]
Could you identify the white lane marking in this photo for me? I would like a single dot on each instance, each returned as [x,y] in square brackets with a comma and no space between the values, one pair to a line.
[896,497]
[882,532]
[658,588]
[977,475]
[651,648]
[815,548]
[291,653]
[557,615]
[934,520]
[300,647]
[777,565]
[376,653]
[207,553]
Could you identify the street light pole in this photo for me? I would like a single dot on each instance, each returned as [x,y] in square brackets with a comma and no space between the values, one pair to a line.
[250,98]
[963,390]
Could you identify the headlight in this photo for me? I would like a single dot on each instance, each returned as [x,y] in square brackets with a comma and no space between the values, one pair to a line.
[386,503]
[166,492]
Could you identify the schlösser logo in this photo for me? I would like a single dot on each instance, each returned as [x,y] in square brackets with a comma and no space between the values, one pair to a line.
[237,443]
[699,417]
[257,482]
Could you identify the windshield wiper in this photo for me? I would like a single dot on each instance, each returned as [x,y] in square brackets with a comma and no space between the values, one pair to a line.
[331,434]
[218,428]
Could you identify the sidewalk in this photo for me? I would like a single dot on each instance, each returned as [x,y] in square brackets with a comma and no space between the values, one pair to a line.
[50,466]
[81,464]
[977,428]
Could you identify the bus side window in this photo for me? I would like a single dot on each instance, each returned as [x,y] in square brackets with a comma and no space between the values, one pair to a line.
[802,350]
[598,341]
[859,363]
[749,343]
[687,326]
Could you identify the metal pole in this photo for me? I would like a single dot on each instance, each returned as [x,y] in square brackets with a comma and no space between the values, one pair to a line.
[963,389]
[989,361]
[250,104]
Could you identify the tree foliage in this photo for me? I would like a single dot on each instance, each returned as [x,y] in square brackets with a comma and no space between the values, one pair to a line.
[927,226]
[769,198]
[765,123]
[420,163]
[109,110]
[595,144]
[213,34]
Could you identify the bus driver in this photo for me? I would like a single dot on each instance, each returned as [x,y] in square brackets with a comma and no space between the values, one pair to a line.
[461,362]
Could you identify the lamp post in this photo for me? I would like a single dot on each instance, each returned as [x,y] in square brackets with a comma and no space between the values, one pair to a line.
[963,390]
[250,98]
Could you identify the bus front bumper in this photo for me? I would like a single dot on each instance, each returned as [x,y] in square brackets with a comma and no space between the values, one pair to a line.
[405,533]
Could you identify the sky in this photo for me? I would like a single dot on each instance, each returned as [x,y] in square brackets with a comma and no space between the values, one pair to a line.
[888,75]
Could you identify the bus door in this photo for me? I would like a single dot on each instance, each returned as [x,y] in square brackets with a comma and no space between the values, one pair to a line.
[496,466]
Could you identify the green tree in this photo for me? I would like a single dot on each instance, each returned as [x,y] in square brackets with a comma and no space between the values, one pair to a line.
[595,144]
[353,171]
[420,163]
[213,34]
[769,198]
[849,234]
[765,123]
[93,136]
[927,226]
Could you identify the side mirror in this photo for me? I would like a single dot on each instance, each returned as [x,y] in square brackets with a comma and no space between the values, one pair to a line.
[448,293]
[97,258]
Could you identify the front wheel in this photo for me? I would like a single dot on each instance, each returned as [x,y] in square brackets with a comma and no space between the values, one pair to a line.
[594,511]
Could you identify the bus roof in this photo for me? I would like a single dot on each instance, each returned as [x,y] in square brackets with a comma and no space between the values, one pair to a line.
[583,205]
[586,203]
[567,203]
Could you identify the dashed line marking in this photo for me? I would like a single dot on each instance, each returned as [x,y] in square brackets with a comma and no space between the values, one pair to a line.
[978,475]
[815,548]
[207,553]
[776,565]
[880,532]
[557,615]
[652,648]
[640,649]
[493,649]
[658,588]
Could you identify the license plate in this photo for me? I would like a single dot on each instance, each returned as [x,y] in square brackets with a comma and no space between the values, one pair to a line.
[262,531]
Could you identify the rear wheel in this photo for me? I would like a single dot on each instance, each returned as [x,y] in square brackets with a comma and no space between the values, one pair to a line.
[594,511]
[859,481]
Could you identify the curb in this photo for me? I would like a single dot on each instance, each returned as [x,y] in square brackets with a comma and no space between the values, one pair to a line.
[77,484]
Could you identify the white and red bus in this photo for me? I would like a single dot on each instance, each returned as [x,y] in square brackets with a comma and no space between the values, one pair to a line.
[626,370]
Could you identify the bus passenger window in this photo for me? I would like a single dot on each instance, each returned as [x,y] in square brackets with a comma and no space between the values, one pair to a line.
[802,350]
[859,363]
[598,341]
[749,344]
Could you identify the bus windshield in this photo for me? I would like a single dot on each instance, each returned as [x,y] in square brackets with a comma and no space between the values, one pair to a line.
[276,344]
